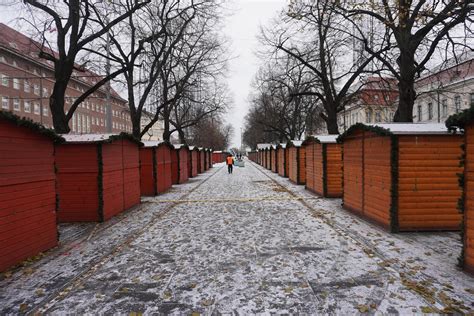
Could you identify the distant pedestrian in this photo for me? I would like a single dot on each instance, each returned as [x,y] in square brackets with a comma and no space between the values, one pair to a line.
[230,163]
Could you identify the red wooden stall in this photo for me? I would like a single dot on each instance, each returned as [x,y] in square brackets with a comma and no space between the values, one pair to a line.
[218,157]
[27,189]
[282,160]
[98,176]
[209,158]
[193,161]
[155,167]
[174,166]
[274,159]
[183,167]
[202,160]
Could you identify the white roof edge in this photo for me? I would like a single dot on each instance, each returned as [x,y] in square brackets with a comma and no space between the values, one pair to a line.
[414,128]
[86,138]
[326,139]
[151,143]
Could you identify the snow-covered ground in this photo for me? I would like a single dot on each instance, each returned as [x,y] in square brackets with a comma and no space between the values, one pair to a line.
[246,243]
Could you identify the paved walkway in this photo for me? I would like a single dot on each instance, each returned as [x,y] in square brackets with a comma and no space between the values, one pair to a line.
[246,243]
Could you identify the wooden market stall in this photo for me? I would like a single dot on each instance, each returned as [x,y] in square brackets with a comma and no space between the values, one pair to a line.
[98,176]
[202,160]
[218,157]
[282,157]
[27,189]
[465,121]
[402,176]
[193,161]
[209,158]
[274,159]
[296,162]
[183,163]
[323,165]
[155,167]
[174,166]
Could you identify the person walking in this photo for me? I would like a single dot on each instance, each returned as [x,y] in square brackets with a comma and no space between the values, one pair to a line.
[230,163]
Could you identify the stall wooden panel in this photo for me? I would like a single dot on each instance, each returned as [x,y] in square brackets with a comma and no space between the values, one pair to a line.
[27,193]
[282,162]
[164,170]
[175,166]
[353,172]
[147,180]
[77,182]
[274,155]
[468,255]
[183,156]
[377,182]
[428,185]
[334,170]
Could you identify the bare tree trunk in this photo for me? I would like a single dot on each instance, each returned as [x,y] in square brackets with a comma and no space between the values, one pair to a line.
[331,120]
[406,88]
[182,137]
[56,105]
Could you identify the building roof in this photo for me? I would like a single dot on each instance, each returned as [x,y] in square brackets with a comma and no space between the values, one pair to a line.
[21,44]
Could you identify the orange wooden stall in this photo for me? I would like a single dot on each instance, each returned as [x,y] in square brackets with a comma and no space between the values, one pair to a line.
[98,176]
[465,121]
[201,160]
[402,176]
[27,190]
[193,161]
[323,165]
[296,162]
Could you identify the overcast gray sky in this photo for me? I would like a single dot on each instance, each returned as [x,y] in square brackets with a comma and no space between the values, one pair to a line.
[241,27]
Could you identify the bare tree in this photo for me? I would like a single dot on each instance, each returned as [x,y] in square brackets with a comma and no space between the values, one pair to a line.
[278,110]
[325,49]
[413,32]
[77,23]
[211,132]
[142,45]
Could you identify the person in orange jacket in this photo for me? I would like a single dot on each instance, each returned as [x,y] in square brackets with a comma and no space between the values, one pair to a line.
[230,163]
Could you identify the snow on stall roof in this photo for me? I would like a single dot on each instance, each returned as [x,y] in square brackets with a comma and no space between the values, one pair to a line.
[151,143]
[297,143]
[191,147]
[326,139]
[217,152]
[413,128]
[178,146]
[282,145]
[263,146]
[86,138]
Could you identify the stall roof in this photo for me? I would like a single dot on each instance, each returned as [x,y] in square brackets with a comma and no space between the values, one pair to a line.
[87,138]
[263,146]
[324,139]
[413,128]
[295,143]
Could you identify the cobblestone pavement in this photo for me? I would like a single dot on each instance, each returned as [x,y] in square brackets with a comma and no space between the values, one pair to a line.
[246,243]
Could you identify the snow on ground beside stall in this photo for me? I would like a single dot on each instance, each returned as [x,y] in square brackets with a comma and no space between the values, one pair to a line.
[250,242]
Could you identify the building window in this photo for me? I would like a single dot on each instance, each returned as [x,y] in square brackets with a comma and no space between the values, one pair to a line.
[444,106]
[5,103]
[4,80]
[378,117]
[36,89]
[420,113]
[16,83]
[368,116]
[46,111]
[26,86]
[45,92]
[37,109]
[88,123]
[27,106]
[472,99]
[16,104]
[430,111]
[457,103]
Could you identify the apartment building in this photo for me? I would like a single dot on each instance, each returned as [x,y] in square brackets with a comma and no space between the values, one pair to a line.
[446,90]
[374,102]
[26,82]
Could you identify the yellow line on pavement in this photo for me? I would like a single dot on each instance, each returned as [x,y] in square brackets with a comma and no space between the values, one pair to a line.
[269,198]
